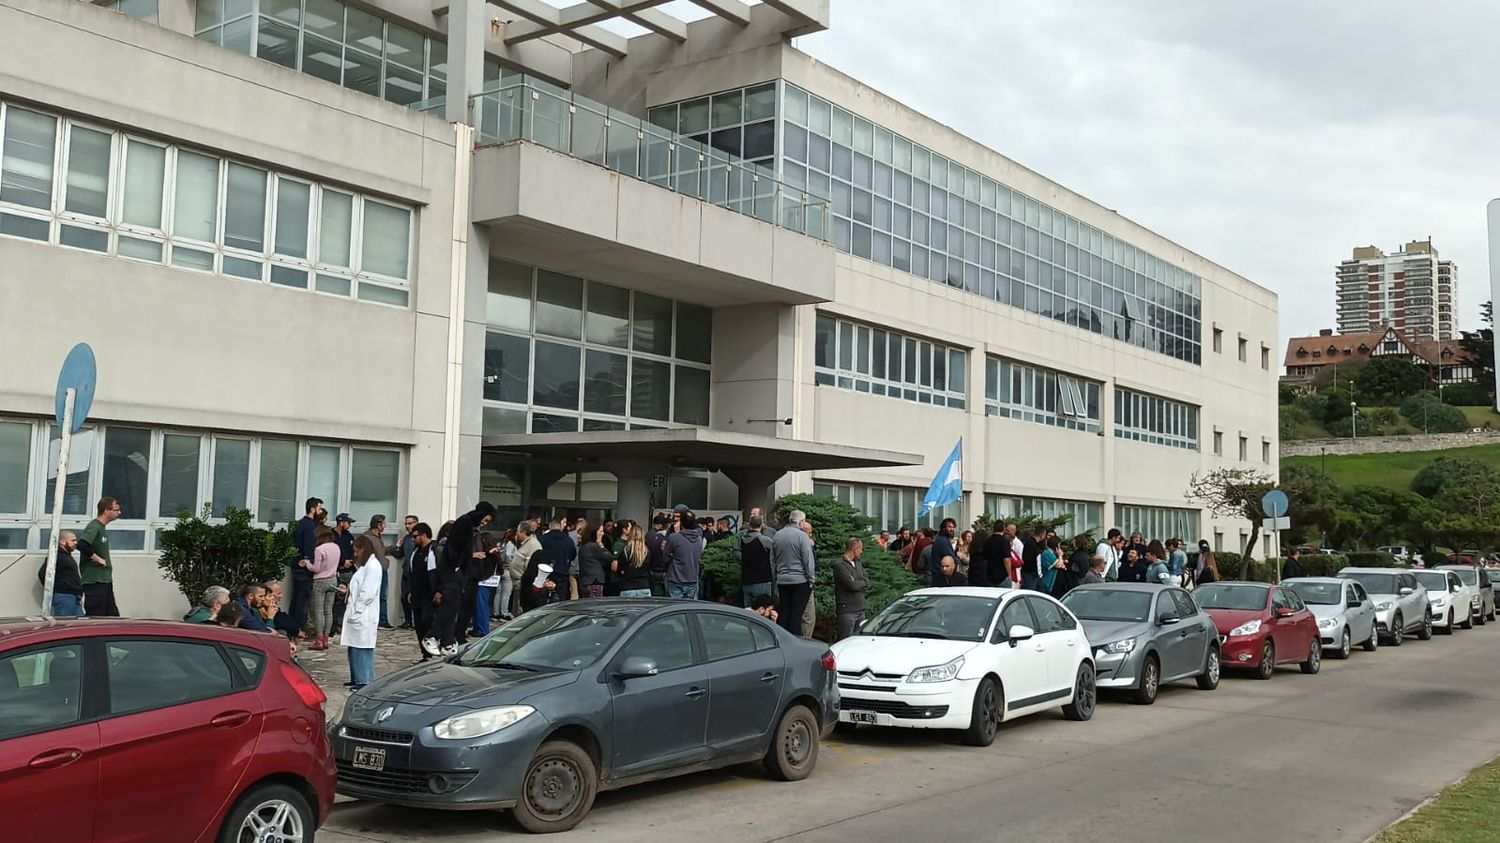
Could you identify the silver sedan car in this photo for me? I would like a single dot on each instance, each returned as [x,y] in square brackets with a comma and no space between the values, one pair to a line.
[1345,613]
[1144,635]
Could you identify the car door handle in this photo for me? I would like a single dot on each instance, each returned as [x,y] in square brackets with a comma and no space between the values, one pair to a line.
[769,677]
[55,758]
[230,719]
[1041,648]
[695,693]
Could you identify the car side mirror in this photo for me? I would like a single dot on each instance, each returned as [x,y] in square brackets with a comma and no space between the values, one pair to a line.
[1168,619]
[1403,591]
[1452,589]
[1019,633]
[636,667]
[1284,612]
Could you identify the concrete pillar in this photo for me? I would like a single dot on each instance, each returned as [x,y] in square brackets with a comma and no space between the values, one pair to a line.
[468,21]
[178,15]
[634,494]
[757,486]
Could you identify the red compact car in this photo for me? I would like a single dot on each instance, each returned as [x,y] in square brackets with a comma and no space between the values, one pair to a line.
[1261,626]
[159,731]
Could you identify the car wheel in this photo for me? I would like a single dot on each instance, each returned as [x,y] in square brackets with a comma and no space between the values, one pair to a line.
[1452,624]
[1491,615]
[1345,645]
[1373,642]
[1085,695]
[1267,667]
[1425,632]
[1145,692]
[1398,630]
[558,789]
[1480,618]
[269,812]
[984,719]
[1209,678]
[1468,621]
[1314,661]
[794,751]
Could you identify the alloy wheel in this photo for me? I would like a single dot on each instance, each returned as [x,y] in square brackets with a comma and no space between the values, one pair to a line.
[272,821]
[1345,645]
[1087,693]
[989,708]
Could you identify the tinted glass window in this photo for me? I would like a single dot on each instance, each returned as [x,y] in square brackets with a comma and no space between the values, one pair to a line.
[40,690]
[1049,616]
[1105,604]
[1375,583]
[1293,600]
[1185,605]
[665,641]
[1280,600]
[1247,598]
[1015,613]
[725,636]
[1434,580]
[253,662]
[765,639]
[1359,592]
[554,640]
[934,616]
[155,674]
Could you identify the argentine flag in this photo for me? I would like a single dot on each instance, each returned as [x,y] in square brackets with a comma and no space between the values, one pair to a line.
[948,485]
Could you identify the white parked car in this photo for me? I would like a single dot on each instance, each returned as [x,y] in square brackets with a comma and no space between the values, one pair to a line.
[1403,554]
[1451,600]
[965,659]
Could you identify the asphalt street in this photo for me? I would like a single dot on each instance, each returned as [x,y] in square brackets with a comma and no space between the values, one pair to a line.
[1331,757]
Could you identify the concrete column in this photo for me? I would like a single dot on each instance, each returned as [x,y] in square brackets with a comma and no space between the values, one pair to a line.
[757,486]
[468,21]
[633,488]
[178,15]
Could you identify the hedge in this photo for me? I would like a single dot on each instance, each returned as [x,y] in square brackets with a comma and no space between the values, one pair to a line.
[1313,564]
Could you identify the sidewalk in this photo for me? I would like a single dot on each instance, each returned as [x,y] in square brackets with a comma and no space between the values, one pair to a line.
[394,649]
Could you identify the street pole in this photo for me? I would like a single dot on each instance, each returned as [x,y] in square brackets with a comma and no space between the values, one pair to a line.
[1354,419]
[59,486]
[1324,449]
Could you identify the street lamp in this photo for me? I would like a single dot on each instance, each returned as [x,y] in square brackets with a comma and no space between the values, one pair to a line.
[1354,418]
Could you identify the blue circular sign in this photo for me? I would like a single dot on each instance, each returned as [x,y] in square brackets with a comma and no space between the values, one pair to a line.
[1274,503]
[79,373]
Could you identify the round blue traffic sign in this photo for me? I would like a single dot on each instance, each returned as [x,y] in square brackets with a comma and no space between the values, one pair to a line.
[78,373]
[1274,503]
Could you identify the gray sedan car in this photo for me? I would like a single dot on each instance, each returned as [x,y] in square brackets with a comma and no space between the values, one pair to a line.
[585,696]
[1146,634]
[1345,613]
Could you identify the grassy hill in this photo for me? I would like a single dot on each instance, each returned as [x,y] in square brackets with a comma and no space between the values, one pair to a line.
[1394,471]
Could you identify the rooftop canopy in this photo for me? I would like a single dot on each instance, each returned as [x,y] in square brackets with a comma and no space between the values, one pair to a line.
[607,25]
[698,447]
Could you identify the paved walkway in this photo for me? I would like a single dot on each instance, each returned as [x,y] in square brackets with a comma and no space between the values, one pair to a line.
[394,649]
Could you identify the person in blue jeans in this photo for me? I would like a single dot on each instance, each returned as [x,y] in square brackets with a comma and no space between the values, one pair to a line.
[67,582]
[684,558]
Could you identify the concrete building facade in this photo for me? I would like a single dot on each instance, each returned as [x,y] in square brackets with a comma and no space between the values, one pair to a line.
[1413,290]
[406,257]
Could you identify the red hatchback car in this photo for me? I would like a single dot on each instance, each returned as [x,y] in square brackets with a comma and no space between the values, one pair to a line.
[157,731]
[1261,626]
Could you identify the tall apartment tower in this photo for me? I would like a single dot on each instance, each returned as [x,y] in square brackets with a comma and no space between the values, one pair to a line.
[1412,289]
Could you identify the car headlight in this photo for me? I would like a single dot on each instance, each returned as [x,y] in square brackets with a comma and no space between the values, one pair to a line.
[1328,623]
[477,724]
[937,673]
[1125,646]
[1246,628]
[1381,607]
[1439,602]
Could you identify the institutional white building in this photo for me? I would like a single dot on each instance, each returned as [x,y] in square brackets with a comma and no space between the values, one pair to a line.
[404,256]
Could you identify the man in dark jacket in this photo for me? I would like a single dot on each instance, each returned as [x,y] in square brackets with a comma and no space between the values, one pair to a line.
[423,565]
[850,584]
[67,582]
[684,552]
[656,554]
[947,575]
[942,544]
[1292,567]
[250,604]
[753,551]
[464,554]
[996,553]
[560,551]
[307,542]
[1031,554]
[447,601]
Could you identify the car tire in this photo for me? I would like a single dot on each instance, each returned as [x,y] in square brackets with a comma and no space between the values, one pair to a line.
[1212,668]
[279,809]
[558,788]
[1346,646]
[1373,642]
[1491,615]
[1398,630]
[1481,619]
[1150,684]
[794,749]
[1267,667]
[1085,695]
[1424,633]
[1468,622]
[985,716]
[1452,624]
[1314,661]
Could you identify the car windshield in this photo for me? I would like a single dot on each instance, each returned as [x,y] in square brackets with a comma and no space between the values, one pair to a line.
[1242,598]
[1468,575]
[550,640]
[1109,604]
[1433,580]
[1319,593]
[934,616]
[1374,583]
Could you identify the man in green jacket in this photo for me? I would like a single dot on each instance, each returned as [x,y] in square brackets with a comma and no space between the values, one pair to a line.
[97,569]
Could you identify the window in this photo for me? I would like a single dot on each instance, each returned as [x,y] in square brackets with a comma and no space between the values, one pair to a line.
[252,662]
[1082,515]
[323,472]
[1265,451]
[154,674]
[764,638]
[15,465]
[1015,613]
[127,461]
[725,636]
[41,690]
[891,507]
[373,480]
[231,475]
[1265,357]
[1161,522]
[179,475]
[1218,340]
[1244,448]
[1244,344]
[1049,617]
[1186,608]
[1218,443]
[195,211]
[278,482]
[1155,420]
[1042,396]
[665,641]
[910,369]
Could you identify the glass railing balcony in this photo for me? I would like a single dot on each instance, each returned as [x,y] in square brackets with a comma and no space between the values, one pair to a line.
[530,110]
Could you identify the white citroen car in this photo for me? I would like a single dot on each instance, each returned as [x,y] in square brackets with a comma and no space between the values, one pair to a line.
[1454,604]
[965,659]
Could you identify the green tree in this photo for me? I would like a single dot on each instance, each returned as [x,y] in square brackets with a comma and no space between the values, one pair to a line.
[1388,380]
[1454,473]
[1286,393]
[196,554]
[1368,516]
[1429,415]
[1233,492]
[1315,501]
[1480,347]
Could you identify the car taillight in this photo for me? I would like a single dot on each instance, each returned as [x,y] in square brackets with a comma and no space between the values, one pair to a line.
[312,696]
[828,663]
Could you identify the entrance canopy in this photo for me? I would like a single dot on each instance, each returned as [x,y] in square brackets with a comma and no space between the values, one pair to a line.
[753,462]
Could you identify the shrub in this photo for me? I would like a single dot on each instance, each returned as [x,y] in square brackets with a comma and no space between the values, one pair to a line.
[1320,564]
[1427,413]
[196,554]
[1371,559]
[1473,394]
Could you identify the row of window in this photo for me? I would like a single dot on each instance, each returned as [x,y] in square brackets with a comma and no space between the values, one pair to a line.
[902,205]
[157,474]
[1018,391]
[1083,515]
[891,507]
[1244,349]
[1157,522]
[863,358]
[103,190]
[1265,447]
[1151,418]
[741,122]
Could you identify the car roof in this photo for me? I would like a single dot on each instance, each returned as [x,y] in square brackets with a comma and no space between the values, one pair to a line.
[973,591]
[1455,567]
[1321,580]
[1148,587]
[1354,570]
[21,629]
[1236,584]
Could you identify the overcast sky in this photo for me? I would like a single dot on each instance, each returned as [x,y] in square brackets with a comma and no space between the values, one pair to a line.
[1270,137]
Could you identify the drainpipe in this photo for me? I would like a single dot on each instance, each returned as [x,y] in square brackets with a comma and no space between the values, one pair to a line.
[463,140]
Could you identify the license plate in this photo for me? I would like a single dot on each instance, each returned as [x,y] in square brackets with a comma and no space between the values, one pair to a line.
[863,717]
[369,758]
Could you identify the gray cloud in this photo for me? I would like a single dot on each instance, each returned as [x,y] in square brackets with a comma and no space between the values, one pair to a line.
[1270,137]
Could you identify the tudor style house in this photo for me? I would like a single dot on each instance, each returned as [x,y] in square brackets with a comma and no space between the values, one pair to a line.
[1305,356]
